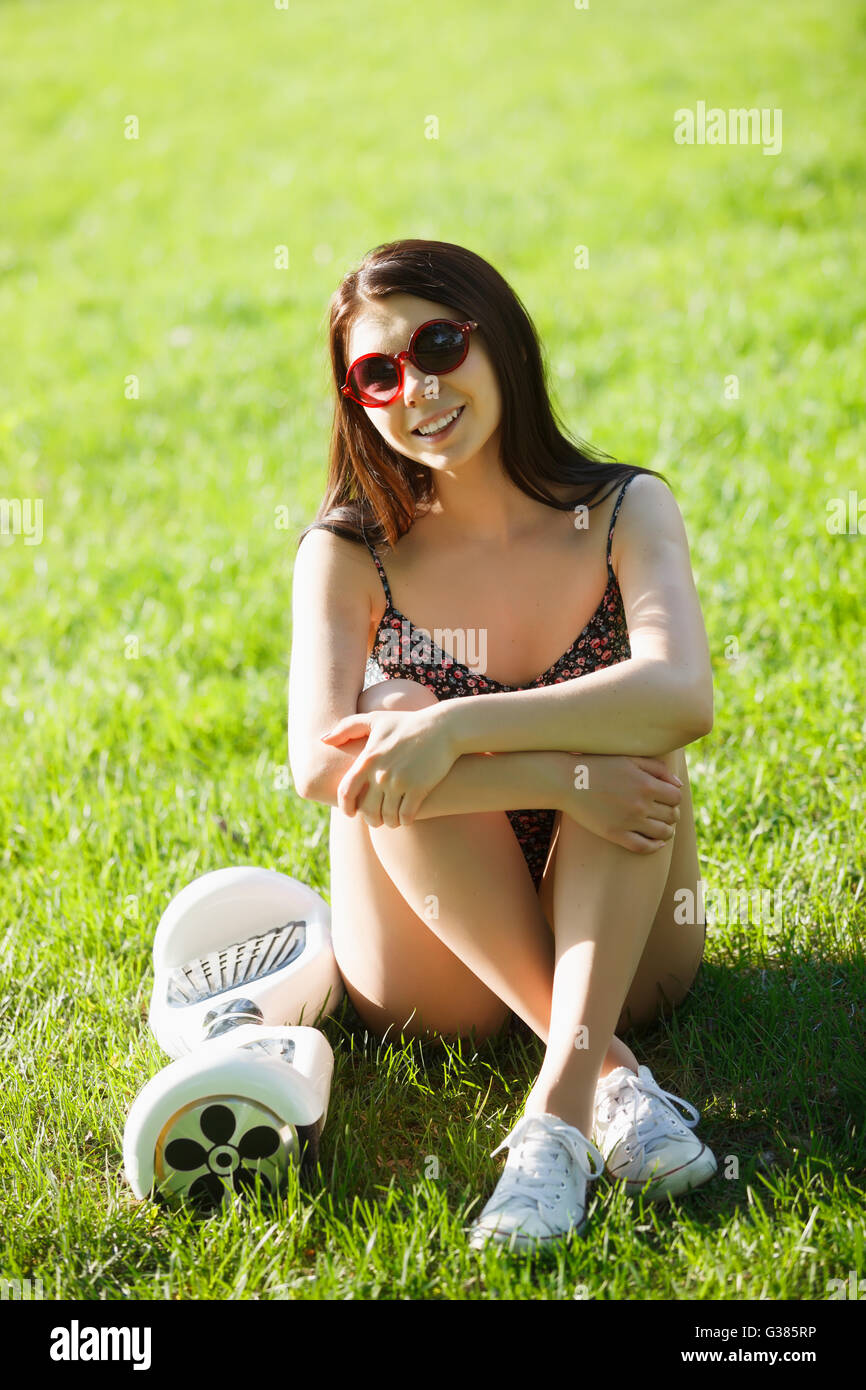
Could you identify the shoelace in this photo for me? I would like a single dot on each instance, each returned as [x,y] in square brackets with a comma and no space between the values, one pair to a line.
[544,1158]
[630,1105]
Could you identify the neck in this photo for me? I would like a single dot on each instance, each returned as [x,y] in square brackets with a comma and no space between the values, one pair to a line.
[476,501]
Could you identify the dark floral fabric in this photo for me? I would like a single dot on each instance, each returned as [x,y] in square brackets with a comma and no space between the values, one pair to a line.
[402,651]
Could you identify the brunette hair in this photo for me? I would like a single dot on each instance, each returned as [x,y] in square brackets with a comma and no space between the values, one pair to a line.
[373,491]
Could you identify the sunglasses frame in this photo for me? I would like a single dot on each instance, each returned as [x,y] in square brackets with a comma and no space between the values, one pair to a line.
[467,329]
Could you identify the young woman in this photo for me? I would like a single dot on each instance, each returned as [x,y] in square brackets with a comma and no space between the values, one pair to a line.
[518,853]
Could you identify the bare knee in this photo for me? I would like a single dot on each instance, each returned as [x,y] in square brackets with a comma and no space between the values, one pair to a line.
[396,694]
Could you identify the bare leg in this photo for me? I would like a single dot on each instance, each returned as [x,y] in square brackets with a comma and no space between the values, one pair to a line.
[673,952]
[604,900]
[438,920]
[490,946]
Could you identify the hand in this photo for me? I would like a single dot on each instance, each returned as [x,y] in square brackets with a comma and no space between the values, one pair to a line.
[407,753]
[633,802]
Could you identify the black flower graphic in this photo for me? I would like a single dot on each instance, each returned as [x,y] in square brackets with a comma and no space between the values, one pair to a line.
[222,1158]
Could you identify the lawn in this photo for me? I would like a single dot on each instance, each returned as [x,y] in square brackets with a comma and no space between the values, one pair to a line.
[164,415]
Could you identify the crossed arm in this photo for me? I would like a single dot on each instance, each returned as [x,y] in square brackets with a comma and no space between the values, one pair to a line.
[658,700]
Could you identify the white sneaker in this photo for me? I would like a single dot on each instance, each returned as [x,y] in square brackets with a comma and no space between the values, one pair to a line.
[643,1138]
[541,1195]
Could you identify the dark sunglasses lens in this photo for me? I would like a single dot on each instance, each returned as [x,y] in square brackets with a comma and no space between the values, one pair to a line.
[374,379]
[439,348]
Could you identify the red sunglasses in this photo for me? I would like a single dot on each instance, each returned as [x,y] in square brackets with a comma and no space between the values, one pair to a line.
[436,347]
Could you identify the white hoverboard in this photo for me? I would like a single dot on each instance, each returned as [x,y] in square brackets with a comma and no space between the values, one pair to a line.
[241,956]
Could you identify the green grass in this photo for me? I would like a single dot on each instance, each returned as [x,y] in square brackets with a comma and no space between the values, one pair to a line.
[132,766]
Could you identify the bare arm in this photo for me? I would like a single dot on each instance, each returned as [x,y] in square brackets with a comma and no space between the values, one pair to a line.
[331,624]
[632,802]
[658,700]
[476,782]
[331,617]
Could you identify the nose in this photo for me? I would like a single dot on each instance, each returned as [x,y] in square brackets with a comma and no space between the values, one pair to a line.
[414,382]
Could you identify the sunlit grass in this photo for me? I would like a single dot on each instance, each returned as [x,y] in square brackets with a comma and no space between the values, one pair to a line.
[146,638]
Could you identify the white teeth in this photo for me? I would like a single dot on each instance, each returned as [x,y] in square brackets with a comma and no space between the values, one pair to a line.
[442,424]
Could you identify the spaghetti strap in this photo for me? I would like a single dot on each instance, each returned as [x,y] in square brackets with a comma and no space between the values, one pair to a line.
[382,574]
[613,523]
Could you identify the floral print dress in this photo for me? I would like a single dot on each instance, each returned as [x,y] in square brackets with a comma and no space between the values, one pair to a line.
[402,651]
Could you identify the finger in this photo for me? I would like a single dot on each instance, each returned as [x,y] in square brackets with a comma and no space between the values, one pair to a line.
[408,811]
[351,789]
[391,799]
[669,814]
[658,830]
[353,726]
[370,808]
[666,793]
[658,769]
[639,844]
[391,808]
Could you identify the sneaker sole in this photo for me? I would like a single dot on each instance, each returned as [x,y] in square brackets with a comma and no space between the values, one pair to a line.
[675,1182]
[523,1244]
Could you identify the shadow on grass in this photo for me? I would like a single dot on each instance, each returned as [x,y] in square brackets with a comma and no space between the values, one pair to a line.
[770,1054]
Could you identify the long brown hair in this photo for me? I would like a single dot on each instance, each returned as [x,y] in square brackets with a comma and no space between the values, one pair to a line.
[373,491]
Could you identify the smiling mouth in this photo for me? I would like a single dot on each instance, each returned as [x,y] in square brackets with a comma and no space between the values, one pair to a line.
[434,434]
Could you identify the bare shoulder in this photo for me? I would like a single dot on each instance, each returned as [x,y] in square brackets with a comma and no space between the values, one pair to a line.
[325,560]
[649,518]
